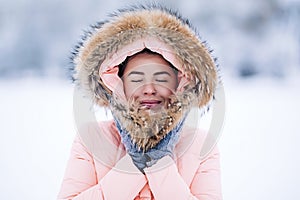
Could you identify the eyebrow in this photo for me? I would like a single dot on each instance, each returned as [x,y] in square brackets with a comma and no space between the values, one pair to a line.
[163,72]
[142,73]
[135,72]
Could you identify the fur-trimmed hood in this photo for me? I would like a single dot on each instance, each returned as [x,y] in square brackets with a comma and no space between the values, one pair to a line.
[129,31]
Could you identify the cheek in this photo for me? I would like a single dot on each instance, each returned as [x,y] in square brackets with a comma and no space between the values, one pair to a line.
[164,91]
[127,90]
[130,90]
[167,90]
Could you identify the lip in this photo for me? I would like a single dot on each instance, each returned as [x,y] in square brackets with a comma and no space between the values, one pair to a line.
[150,103]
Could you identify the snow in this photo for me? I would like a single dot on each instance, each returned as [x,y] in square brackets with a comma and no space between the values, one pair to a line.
[259,142]
[36,121]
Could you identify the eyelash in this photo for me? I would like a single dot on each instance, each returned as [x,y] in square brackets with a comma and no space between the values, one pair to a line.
[158,80]
[136,81]
[161,80]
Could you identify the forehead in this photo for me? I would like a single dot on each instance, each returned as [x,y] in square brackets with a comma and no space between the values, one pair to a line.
[145,61]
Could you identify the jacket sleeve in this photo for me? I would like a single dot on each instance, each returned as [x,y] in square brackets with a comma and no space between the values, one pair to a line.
[167,183]
[80,180]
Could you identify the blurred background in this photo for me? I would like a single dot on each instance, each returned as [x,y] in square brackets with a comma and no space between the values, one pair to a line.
[250,38]
[257,43]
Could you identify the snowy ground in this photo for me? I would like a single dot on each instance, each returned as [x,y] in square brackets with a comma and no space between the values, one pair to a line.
[259,143]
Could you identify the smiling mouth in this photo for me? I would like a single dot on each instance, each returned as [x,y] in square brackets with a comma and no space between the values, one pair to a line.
[150,103]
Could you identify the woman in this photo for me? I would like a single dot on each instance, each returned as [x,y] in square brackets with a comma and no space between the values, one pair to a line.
[149,68]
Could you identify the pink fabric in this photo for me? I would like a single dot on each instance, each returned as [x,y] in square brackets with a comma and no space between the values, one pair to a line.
[188,177]
[109,68]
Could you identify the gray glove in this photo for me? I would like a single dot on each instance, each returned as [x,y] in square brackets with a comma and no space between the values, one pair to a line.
[150,157]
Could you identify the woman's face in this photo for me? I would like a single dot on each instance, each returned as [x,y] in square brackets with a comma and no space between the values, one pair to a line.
[149,80]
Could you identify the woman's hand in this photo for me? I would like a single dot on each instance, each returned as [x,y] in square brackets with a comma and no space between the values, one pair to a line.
[150,157]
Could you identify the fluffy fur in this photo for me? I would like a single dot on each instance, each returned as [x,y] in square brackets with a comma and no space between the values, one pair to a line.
[126,26]
[146,126]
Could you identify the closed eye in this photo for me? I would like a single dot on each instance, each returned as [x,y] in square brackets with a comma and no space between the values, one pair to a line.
[136,76]
[136,80]
[162,76]
[161,80]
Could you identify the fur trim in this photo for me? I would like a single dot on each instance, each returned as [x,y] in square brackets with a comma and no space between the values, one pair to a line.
[106,38]
[128,25]
[146,126]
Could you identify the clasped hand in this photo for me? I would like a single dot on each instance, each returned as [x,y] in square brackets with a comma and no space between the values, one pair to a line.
[146,159]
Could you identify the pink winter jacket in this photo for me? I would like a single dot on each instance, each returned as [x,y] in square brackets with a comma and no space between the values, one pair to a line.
[188,177]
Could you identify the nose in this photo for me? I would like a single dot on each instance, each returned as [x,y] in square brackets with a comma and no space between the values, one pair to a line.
[149,89]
